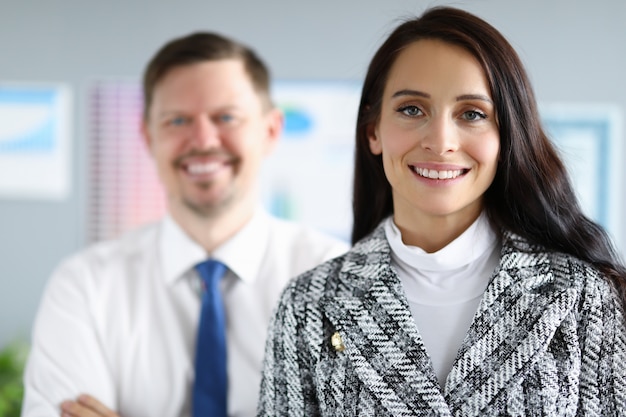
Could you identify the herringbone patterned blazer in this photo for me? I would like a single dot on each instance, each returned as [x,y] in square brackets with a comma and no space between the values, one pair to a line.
[548,339]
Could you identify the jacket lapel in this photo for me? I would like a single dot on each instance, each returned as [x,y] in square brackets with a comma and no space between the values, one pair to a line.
[381,340]
[516,320]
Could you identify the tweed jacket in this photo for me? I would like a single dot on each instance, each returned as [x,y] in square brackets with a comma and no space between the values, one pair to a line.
[548,339]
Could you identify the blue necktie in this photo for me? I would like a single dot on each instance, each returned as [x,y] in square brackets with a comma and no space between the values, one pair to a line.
[211,382]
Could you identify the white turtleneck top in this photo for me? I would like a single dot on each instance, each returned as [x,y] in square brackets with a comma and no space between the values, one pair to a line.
[444,288]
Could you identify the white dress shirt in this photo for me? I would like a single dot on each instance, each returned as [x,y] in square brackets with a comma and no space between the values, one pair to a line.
[444,288]
[118,320]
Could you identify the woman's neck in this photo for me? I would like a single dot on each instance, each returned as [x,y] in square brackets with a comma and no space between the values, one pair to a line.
[432,233]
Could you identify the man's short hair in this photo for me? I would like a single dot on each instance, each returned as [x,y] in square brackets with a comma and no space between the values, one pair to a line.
[198,47]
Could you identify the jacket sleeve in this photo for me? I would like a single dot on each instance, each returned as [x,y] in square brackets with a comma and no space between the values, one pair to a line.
[602,335]
[287,386]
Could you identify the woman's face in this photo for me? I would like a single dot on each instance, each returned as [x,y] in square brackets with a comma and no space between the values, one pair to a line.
[437,133]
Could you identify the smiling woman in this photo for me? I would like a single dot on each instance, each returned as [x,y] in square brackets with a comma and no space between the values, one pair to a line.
[438,138]
[475,286]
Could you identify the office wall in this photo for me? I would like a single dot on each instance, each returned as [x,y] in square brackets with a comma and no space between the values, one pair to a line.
[574,52]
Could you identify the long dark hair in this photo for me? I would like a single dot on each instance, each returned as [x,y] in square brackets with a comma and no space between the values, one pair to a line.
[531,194]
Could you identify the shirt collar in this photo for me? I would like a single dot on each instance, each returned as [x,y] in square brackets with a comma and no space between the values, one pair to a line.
[472,244]
[242,254]
[178,251]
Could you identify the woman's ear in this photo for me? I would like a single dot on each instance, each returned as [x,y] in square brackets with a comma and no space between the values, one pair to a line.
[376,146]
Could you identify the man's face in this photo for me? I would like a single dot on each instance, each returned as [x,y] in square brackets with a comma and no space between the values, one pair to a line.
[208,131]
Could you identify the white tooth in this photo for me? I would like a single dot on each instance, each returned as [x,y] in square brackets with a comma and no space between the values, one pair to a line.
[203,168]
[441,175]
[196,169]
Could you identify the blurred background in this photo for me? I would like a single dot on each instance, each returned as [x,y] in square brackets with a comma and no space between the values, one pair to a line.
[87,57]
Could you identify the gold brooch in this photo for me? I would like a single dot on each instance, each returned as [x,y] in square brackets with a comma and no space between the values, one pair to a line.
[337,342]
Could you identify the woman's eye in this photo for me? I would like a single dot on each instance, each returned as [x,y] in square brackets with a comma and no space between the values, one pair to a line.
[410,110]
[473,115]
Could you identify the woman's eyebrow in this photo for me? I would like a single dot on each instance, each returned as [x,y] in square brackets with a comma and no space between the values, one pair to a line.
[407,92]
[474,97]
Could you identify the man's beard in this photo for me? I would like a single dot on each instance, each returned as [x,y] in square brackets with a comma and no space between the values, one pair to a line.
[211,209]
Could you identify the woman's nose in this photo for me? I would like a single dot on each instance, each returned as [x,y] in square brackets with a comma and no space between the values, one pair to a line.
[440,136]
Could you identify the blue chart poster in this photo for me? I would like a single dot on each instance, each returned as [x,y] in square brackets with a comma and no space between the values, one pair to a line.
[589,138]
[309,175]
[34,141]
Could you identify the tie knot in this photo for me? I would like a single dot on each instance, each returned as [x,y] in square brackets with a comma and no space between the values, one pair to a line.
[211,271]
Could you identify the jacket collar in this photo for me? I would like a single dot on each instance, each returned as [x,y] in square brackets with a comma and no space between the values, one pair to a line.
[517,317]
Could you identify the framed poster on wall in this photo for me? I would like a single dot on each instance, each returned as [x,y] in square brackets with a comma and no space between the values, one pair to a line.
[35,141]
[590,140]
[308,177]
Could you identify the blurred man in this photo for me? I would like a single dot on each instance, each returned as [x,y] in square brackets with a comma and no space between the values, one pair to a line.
[120,321]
